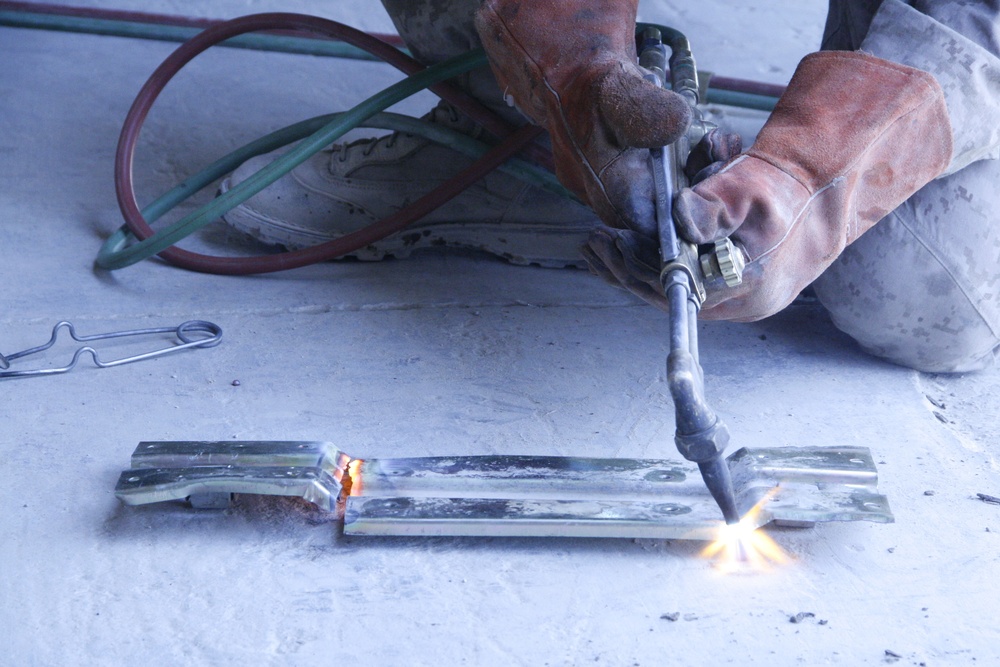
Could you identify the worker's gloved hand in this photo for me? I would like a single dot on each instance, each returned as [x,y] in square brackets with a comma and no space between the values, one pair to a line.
[631,259]
[569,66]
[850,140]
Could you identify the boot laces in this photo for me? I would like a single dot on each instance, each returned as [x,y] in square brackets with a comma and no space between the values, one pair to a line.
[442,113]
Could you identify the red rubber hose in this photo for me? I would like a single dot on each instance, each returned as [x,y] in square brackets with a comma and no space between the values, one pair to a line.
[515,141]
[146,18]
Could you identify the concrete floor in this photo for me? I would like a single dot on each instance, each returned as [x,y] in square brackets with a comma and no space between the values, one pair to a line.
[444,353]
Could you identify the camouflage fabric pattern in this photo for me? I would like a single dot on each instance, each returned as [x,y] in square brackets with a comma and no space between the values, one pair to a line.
[922,287]
[435,30]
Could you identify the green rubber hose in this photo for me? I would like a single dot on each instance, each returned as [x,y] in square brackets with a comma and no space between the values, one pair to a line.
[116,254]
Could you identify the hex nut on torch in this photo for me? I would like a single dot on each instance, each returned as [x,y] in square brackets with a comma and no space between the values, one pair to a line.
[724,261]
[705,445]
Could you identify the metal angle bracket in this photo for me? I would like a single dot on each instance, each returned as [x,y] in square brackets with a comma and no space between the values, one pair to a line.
[542,496]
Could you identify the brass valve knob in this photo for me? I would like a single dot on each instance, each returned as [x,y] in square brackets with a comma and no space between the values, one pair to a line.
[724,261]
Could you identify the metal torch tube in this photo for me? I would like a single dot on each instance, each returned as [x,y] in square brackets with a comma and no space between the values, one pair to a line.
[700,436]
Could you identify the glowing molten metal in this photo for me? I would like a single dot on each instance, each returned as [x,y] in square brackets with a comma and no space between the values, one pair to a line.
[742,547]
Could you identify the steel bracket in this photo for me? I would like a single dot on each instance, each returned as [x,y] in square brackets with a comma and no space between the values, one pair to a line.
[542,496]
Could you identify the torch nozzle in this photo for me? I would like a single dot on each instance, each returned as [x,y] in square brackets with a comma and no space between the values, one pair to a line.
[715,472]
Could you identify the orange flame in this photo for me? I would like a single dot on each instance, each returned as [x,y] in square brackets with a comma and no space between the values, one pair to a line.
[354,473]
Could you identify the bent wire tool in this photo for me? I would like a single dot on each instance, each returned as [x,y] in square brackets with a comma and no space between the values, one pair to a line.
[195,333]
[549,496]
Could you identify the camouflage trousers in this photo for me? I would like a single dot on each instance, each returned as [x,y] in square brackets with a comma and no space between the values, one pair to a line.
[922,287]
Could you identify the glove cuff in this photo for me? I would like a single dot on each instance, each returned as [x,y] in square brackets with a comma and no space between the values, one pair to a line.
[848,110]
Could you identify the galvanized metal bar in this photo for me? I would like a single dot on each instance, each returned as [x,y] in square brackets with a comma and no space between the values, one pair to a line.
[514,495]
[531,518]
[507,496]
[151,485]
[212,470]
[518,477]
[268,453]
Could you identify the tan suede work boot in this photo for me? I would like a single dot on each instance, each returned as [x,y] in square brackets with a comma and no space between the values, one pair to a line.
[353,185]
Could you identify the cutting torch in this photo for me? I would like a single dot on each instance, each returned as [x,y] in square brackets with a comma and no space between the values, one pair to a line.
[701,437]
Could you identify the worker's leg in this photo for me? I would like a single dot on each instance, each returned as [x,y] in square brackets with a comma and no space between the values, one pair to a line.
[435,30]
[922,288]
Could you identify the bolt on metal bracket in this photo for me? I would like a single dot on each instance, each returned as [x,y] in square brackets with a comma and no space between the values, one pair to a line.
[541,496]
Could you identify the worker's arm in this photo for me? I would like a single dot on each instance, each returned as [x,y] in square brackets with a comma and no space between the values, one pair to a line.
[570,66]
[854,136]
[851,139]
[954,48]
[959,44]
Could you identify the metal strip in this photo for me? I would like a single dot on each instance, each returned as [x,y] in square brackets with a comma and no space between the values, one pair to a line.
[152,485]
[514,495]
[212,470]
[517,477]
[531,518]
[577,497]
[262,453]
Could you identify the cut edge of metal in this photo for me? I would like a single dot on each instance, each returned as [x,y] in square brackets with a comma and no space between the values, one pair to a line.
[162,471]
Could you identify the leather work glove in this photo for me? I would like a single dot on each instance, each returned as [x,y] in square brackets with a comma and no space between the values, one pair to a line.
[630,259]
[570,66]
[851,139]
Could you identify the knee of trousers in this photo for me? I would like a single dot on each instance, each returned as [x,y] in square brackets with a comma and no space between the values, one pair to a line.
[922,287]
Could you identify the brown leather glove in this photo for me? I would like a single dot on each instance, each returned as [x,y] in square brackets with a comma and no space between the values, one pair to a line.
[850,140]
[569,66]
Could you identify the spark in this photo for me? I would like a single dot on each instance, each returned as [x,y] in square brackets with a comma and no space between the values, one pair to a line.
[741,547]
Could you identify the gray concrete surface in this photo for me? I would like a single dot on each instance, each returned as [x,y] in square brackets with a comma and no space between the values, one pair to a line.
[443,353]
